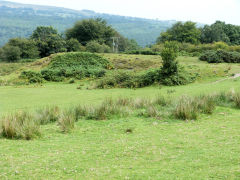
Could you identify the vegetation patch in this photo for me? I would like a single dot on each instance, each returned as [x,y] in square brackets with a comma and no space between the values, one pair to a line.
[220,56]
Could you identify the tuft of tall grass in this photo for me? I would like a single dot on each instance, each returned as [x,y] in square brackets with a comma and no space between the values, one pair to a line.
[105,110]
[124,101]
[141,103]
[20,125]
[47,115]
[79,112]
[66,121]
[161,100]
[186,109]
[236,99]
[205,104]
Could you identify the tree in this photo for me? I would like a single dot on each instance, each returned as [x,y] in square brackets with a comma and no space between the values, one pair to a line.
[42,32]
[73,45]
[169,55]
[94,46]
[219,31]
[182,32]
[48,41]
[10,53]
[91,30]
[27,47]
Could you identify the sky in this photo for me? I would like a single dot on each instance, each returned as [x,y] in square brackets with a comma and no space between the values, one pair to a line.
[202,11]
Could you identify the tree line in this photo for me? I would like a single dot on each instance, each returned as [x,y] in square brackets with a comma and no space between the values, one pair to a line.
[93,35]
[189,33]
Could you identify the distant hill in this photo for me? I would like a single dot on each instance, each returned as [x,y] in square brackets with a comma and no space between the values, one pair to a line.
[19,20]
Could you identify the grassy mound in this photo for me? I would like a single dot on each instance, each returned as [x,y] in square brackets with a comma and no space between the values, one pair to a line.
[78,59]
[72,65]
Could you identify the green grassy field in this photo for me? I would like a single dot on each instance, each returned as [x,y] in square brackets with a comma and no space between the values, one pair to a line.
[207,148]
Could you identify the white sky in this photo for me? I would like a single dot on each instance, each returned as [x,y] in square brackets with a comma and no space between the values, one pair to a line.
[203,11]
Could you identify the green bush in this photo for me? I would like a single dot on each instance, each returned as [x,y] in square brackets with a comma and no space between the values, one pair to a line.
[124,79]
[220,56]
[31,76]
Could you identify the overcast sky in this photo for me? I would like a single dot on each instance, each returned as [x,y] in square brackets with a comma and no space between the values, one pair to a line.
[203,11]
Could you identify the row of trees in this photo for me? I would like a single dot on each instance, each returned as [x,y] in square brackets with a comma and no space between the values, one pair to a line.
[189,33]
[92,35]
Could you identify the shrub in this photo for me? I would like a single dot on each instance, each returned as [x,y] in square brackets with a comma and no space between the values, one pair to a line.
[31,76]
[71,81]
[211,57]
[66,121]
[20,125]
[220,56]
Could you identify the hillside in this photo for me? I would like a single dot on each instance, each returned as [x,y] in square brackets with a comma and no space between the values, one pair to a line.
[19,20]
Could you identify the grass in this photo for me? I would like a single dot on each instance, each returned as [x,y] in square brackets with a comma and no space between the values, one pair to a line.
[208,148]
[147,144]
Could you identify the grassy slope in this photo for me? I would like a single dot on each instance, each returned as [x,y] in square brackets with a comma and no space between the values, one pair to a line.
[157,149]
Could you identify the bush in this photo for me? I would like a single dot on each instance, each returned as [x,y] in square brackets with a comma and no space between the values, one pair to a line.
[220,56]
[123,79]
[211,57]
[20,125]
[31,76]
